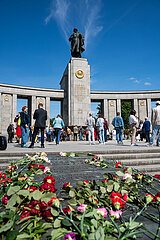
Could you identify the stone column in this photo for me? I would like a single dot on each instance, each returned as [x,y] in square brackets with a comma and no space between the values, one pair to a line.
[142,109]
[105,108]
[112,112]
[14,108]
[119,105]
[149,110]
[48,110]
[6,108]
[76,85]
[136,106]
[33,108]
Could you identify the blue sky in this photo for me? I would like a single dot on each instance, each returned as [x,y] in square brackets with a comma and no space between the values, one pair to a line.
[122,42]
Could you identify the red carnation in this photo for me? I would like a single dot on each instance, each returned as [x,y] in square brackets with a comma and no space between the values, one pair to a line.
[67,209]
[47,215]
[2,175]
[49,179]
[104,180]
[157,176]
[25,214]
[118,164]
[157,197]
[48,187]
[5,199]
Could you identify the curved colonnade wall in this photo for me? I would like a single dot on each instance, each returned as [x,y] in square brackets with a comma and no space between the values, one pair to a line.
[8,101]
[110,102]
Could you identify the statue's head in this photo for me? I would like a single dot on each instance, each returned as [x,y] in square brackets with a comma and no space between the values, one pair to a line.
[75,30]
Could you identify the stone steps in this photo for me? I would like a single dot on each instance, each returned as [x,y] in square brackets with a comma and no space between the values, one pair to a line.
[142,155]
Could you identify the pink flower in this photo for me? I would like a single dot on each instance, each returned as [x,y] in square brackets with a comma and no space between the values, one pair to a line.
[127,175]
[102,212]
[63,154]
[116,214]
[82,208]
[91,162]
[86,160]
[70,236]
[47,169]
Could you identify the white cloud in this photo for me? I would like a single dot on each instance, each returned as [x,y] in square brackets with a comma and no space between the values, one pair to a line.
[84,14]
[136,81]
[147,83]
[132,78]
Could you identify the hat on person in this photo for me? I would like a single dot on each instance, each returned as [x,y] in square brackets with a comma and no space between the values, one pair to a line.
[158,103]
[146,118]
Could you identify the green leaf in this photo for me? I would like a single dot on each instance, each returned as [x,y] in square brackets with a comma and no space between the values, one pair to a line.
[129,170]
[103,190]
[54,212]
[47,197]
[47,225]
[23,236]
[90,214]
[57,223]
[12,201]
[80,183]
[58,233]
[71,154]
[72,202]
[12,190]
[23,193]
[36,195]
[91,236]
[72,193]
[134,225]
[66,223]
[11,235]
[80,201]
[95,223]
[120,174]
[109,188]
[116,186]
[6,227]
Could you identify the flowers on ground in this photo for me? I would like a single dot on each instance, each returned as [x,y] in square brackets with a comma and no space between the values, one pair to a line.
[116,214]
[82,208]
[102,212]
[70,236]
[118,164]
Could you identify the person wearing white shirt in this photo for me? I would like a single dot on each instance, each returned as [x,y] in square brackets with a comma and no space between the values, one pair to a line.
[155,120]
[133,121]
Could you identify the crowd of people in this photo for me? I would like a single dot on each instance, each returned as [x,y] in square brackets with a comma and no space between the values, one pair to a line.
[94,130]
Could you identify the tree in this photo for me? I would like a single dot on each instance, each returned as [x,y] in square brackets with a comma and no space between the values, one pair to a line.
[126,107]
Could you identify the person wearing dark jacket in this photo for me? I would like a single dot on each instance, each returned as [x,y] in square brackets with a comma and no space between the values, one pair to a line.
[25,122]
[40,115]
[10,133]
[147,128]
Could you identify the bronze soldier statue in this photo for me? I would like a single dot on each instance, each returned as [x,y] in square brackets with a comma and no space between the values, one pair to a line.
[77,43]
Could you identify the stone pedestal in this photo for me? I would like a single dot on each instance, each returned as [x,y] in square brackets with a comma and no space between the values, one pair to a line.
[76,85]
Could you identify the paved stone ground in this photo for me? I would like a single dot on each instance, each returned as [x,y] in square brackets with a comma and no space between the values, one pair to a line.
[74,169]
[77,146]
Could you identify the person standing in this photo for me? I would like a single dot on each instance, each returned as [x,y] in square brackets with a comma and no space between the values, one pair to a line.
[10,133]
[91,124]
[147,128]
[40,115]
[75,132]
[80,133]
[119,125]
[155,120]
[106,128]
[133,121]
[18,128]
[100,125]
[58,124]
[25,122]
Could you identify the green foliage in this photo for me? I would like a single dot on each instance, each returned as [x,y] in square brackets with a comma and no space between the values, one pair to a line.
[125,112]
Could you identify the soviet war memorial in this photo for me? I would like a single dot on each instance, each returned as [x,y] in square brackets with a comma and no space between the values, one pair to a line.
[79,120]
